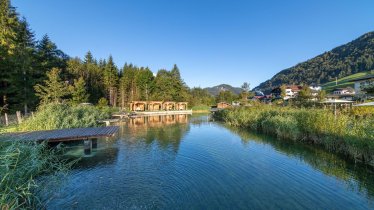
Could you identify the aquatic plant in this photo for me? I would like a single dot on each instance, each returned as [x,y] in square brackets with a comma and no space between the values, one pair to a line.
[345,133]
[21,163]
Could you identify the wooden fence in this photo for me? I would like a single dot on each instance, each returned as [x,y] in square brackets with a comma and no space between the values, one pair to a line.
[11,119]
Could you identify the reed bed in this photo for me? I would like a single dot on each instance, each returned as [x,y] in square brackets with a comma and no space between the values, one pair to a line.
[58,116]
[350,134]
[21,165]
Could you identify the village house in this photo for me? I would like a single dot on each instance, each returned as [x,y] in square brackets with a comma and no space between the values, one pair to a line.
[347,93]
[291,91]
[223,105]
[343,91]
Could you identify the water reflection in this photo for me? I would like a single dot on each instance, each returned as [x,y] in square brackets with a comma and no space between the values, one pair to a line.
[165,130]
[188,162]
[327,162]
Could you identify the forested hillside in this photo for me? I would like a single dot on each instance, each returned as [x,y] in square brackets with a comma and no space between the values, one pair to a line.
[223,87]
[356,56]
[36,71]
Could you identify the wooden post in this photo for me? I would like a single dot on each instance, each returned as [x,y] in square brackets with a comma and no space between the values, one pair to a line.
[94,143]
[87,147]
[32,114]
[335,111]
[6,119]
[19,117]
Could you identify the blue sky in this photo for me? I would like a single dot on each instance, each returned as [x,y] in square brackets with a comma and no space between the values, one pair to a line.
[211,41]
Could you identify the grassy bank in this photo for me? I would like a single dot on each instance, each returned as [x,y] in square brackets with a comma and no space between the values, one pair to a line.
[345,133]
[201,109]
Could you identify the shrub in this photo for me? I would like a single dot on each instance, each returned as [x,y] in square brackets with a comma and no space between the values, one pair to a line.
[58,116]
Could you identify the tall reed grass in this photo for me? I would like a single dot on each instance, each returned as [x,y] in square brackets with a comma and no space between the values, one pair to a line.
[344,133]
[21,164]
[58,116]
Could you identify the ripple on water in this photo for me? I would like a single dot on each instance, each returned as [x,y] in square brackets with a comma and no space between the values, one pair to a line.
[204,165]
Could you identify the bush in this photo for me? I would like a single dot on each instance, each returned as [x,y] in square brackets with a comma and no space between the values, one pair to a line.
[58,116]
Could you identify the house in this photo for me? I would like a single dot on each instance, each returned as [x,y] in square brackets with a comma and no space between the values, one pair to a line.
[344,91]
[315,87]
[347,97]
[347,93]
[223,105]
[291,91]
[361,83]
[235,103]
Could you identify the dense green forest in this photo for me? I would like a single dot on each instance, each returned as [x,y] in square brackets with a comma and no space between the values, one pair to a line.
[353,57]
[37,71]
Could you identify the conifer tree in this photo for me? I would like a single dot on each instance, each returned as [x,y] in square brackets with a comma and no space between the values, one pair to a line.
[54,89]
[78,91]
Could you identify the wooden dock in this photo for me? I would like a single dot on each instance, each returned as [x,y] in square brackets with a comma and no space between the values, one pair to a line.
[73,134]
[171,112]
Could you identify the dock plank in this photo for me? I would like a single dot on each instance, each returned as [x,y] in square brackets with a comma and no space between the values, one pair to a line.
[65,134]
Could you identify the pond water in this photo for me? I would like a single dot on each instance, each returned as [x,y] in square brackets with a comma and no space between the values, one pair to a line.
[189,162]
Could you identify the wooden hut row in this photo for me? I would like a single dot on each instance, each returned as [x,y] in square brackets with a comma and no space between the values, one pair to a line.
[157,106]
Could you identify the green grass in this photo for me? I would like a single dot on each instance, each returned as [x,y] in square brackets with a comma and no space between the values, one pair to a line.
[8,129]
[343,82]
[58,116]
[201,108]
[21,163]
[346,133]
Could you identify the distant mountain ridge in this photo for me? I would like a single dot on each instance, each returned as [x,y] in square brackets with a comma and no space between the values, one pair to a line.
[223,87]
[353,57]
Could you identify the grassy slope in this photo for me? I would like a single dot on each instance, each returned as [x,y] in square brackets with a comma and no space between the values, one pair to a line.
[343,82]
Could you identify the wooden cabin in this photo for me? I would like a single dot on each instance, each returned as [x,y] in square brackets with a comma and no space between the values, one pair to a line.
[181,106]
[155,106]
[138,106]
[223,105]
[168,105]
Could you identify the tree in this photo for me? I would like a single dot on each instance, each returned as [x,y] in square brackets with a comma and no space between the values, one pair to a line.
[200,96]
[53,90]
[305,94]
[111,80]
[283,91]
[168,85]
[321,95]
[78,91]
[226,96]
[49,56]
[8,33]
[245,92]
[369,89]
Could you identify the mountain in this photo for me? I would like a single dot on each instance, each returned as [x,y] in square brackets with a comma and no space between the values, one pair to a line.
[223,87]
[353,57]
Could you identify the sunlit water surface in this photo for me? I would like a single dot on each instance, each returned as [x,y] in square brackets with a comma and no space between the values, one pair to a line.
[189,162]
